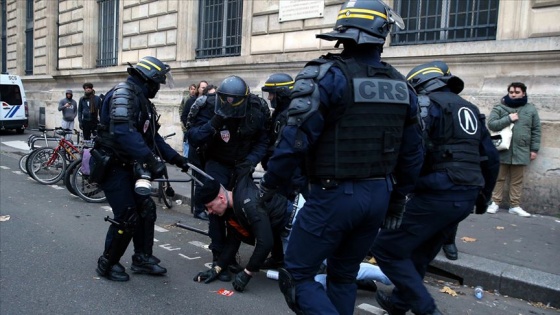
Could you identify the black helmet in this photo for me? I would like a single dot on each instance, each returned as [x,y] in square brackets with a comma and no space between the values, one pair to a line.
[364,22]
[150,69]
[433,75]
[281,85]
[232,97]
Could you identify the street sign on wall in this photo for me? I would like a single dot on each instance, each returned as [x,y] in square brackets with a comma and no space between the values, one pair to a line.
[290,10]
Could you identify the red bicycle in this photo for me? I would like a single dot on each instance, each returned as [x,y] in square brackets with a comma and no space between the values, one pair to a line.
[47,165]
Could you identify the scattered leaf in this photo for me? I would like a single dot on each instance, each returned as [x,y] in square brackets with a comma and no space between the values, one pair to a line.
[448,290]
[500,228]
[467,239]
[4,218]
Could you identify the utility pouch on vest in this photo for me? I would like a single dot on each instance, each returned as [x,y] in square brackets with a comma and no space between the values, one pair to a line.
[99,164]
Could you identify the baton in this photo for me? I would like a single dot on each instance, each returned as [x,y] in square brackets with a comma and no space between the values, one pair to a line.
[201,172]
[190,228]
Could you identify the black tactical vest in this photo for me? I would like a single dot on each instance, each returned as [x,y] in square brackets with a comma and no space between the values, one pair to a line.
[453,144]
[235,140]
[364,140]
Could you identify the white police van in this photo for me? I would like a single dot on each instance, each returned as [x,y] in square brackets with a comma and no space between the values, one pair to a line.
[14,113]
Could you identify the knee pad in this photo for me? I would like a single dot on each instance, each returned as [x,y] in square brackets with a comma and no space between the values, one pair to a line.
[147,210]
[287,285]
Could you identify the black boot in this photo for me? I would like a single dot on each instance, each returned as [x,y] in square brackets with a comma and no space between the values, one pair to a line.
[367,285]
[384,301]
[114,273]
[144,263]
[450,251]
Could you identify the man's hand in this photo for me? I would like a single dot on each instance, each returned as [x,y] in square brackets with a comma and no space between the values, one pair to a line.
[265,193]
[181,162]
[216,122]
[241,280]
[393,218]
[481,204]
[208,275]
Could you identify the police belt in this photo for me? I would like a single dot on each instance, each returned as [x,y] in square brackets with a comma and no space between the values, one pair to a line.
[328,183]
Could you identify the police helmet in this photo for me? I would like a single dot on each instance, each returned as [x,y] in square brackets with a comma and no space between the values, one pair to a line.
[150,69]
[232,97]
[364,22]
[433,75]
[281,84]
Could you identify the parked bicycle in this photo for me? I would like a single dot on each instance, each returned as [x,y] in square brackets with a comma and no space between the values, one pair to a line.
[47,165]
[31,143]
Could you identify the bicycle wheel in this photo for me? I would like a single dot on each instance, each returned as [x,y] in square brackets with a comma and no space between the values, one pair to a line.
[28,162]
[47,166]
[90,192]
[22,162]
[70,170]
[164,190]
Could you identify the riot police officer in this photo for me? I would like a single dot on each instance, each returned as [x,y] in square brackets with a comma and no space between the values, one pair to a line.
[229,128]
[277,89]
[452,181]
[353,120]
[129,148]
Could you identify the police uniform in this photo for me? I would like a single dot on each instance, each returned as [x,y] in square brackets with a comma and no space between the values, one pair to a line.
[128,134]
[352,120]
[235,142]
[452,180]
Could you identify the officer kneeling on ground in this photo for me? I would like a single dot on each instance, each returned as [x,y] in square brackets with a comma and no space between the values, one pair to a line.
[247,221]
[128,153]
[459,172]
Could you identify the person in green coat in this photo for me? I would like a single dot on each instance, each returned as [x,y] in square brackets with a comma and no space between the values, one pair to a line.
[525,144]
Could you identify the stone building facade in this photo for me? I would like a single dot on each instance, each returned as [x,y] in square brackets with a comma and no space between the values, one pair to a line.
[66,38]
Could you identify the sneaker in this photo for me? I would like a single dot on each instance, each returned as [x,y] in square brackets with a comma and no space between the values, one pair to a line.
[493,208]
[520,212]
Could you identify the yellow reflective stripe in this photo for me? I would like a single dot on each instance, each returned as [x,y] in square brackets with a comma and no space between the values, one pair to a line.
[361,12]
[279,84]
[424,71]
[144,66]
[150,63]
[356,16]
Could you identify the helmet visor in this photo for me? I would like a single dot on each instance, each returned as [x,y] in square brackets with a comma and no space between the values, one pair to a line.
[230,106]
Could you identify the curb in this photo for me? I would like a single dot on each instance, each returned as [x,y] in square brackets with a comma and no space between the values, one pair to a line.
[514,281]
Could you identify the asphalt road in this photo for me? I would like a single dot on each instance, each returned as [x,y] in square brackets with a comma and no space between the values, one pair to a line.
[50,243]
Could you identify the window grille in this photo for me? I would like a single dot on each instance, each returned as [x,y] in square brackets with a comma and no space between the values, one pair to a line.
[219,28]
[443,21]
[4,39]
[29,37]
[108,36]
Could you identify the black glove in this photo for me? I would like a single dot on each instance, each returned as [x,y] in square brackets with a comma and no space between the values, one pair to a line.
[180,162]
[241,280]
[216,122]
[481,204]
[80,126]
[265,193]
[244,168]
[155,166]
[393,218]
[208,275]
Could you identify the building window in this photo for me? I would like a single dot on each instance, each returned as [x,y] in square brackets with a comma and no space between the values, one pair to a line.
[108,37]
[219,28]
[443,21]
[29,37]
[4,39]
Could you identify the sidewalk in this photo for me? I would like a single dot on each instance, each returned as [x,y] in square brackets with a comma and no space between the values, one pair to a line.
[518,257]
